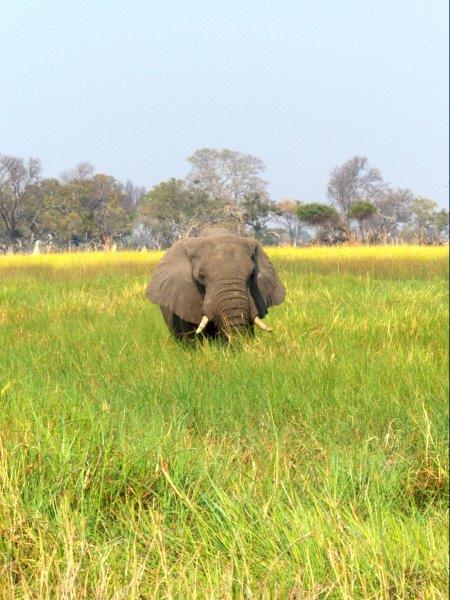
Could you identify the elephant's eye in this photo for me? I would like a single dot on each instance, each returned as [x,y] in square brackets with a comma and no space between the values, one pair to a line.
[201,278]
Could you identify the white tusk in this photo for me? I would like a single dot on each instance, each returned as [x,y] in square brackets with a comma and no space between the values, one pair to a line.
[259,323]
[203,324]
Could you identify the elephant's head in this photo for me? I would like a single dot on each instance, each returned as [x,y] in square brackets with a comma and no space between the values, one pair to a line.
[218,278]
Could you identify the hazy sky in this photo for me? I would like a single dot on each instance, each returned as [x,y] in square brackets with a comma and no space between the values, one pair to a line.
[137,86]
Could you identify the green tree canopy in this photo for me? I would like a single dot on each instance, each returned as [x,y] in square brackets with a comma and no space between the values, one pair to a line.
[316,213]
[100,207]
[173,209]
[360,210]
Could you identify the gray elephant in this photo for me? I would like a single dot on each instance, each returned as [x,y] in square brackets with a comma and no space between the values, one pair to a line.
[213,284]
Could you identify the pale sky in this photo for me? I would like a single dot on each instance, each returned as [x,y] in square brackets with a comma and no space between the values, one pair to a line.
[135,87]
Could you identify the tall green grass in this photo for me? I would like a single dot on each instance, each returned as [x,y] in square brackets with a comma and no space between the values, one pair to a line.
[309,463]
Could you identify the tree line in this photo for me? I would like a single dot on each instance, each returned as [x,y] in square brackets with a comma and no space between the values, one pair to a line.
[83,209]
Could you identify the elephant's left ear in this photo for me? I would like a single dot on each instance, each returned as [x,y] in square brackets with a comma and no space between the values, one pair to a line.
[172,285]
[267,281]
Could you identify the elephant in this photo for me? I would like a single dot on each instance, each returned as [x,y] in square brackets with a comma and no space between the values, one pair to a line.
[215,284]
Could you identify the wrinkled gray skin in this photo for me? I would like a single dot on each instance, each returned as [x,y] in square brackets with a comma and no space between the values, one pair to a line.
[226,277]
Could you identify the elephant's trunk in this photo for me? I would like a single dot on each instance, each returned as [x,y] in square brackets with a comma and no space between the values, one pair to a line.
[231,302]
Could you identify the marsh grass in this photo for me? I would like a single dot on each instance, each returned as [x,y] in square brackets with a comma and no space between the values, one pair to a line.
[308,463]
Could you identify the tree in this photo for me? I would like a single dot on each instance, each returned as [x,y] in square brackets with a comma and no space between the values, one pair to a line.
[108,208]
[100,209]
[173,210]
[81,172]
[427,224]
[393,213]
[317,214]
[49,216]
[134,193]
[352,181]
[257,210]
[360,211]
[325,218]
[441,223]
[229,178]
[287,215]
[16,180]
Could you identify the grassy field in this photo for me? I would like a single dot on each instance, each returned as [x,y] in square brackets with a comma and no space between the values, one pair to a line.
[308,463]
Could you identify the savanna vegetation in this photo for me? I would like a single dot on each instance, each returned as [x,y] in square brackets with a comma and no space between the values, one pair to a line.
[306,463]
[85,210]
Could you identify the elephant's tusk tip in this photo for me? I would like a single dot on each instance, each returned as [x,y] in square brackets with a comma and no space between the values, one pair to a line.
[202,325]
[259,323]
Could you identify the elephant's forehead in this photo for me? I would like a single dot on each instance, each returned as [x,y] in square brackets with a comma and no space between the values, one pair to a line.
[221,239]
[222,246]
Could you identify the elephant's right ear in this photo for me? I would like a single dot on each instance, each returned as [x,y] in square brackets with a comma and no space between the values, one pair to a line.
[173,286]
